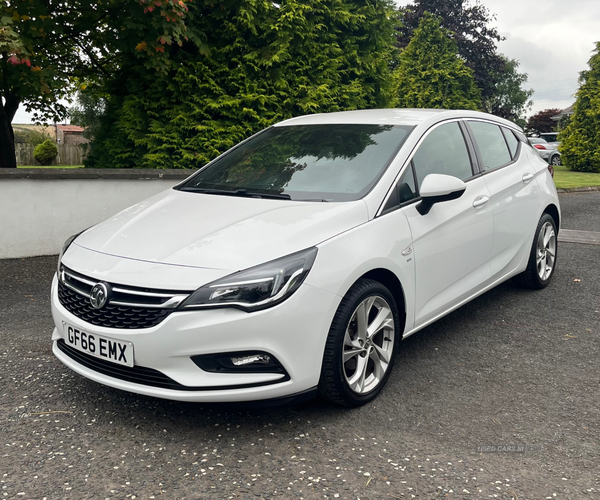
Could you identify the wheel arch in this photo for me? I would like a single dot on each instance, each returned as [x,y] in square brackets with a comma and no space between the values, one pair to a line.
[388,279]
[552,211]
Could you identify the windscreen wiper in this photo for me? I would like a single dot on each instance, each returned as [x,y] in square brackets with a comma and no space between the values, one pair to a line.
[238,192]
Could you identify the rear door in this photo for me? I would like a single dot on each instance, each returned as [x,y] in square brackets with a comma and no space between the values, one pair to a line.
[509,176]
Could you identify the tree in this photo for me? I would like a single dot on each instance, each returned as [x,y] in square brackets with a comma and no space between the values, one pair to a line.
[48,47]
[469,25]
[510,101]
[580,145]
[430,73]
[542,121]
[251,63]
[87,110]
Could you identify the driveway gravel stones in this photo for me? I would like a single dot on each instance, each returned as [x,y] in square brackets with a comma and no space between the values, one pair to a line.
[500,399]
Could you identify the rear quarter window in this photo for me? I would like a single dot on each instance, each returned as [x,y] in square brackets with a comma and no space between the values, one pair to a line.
[491,144]
[512,141]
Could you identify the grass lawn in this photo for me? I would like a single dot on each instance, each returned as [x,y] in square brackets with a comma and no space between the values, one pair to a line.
[565,178]
[51,166]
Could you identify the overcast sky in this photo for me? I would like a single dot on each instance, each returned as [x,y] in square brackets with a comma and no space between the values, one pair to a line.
[552,39]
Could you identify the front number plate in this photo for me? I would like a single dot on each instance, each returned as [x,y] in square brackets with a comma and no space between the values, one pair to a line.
[101,347]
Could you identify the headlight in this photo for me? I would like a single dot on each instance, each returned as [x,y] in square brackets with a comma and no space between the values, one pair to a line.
[258,287]
[67,244]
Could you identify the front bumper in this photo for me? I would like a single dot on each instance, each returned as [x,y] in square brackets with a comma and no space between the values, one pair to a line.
[294,332]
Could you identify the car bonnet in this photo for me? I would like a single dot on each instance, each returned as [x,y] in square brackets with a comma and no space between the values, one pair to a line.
[218,232]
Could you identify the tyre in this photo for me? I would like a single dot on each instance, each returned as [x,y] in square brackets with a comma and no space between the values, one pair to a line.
[542,258]
[361,345]
[555,160]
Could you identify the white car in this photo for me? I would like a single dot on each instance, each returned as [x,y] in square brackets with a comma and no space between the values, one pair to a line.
[295,263]
[547,151]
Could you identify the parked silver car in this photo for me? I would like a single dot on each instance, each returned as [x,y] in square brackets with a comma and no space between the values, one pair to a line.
[547,151]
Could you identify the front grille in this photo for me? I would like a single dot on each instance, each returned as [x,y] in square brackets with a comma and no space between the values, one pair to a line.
[127,307]
[136,374]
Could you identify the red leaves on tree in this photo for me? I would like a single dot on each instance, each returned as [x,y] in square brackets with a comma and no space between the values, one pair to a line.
[15,60]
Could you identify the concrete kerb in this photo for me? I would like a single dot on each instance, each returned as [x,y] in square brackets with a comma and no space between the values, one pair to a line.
[579,190]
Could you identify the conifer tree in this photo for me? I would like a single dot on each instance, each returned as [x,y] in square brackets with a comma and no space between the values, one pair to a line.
[257,62]
[431,74]
[580,146]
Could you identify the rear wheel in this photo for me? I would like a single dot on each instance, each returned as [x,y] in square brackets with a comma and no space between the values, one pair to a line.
[361,345]
[542,258]
[555,160]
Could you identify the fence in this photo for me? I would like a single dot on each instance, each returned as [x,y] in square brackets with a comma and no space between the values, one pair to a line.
[68,154]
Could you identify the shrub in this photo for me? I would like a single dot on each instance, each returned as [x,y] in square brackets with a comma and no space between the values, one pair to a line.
[45,152]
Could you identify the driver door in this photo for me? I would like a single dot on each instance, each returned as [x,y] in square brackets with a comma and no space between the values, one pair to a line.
[452,244]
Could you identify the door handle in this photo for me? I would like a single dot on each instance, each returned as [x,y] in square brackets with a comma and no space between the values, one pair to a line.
[527,177]
[480,201]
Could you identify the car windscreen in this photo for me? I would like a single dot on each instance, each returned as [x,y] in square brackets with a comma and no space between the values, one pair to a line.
[304,162]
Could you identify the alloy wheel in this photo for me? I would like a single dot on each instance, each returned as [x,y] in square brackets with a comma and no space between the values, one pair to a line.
[546,251]
[368,344]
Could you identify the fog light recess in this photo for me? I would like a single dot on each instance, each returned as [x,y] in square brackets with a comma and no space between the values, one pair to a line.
[239,362]
[255,359]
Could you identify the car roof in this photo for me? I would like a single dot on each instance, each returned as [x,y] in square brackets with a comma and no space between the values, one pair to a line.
[404,116]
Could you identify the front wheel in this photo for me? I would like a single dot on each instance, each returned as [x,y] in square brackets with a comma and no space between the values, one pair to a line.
[542,258]
[361,345]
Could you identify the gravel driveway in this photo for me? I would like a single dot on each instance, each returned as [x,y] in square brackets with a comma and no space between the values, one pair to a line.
[500,400]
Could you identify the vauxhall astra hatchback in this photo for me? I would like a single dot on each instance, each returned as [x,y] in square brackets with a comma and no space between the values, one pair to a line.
[296,262]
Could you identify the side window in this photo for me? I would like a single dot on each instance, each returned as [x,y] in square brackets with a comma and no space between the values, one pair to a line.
[491,143]
[513,142]
[443,151]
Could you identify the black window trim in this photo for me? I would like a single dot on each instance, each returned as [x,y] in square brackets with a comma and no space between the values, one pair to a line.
[397,205]
[409,162]
[479,160]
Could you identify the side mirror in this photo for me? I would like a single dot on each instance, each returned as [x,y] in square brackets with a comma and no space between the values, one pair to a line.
[437,188]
